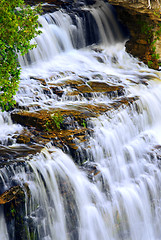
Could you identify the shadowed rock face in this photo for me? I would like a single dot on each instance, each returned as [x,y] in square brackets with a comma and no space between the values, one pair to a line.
[143,24]
[13,201]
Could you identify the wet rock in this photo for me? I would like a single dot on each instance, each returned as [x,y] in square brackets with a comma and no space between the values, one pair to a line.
[92,171]
[57,91]
[47,91]
[104,87]
[68,82]
[34,119]
[76,114]
[70,205]
[73,93]
[10,154]
[10,194]
[39,119]
[66,127]
[155,155]
[84,88]
[71,132]
[41,80]
[13,202]
[143,25]
[99,59]
[24,138]
[125,101]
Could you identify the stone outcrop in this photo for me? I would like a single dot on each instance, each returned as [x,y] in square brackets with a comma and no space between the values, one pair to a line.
[145,30]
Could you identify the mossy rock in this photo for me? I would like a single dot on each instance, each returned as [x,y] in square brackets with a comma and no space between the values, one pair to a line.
[143,25]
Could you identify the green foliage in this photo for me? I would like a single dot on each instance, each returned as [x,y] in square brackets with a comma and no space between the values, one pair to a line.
[12,209]
[156,13]
[146,29]
[55,121]
[150,64]
[18,25]
[84,124]
[156,36]
[152,36]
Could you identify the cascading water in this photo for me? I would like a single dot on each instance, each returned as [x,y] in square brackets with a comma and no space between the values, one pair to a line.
[66,31]
[120,199]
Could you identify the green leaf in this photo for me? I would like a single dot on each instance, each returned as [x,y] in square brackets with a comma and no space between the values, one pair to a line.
[18,25]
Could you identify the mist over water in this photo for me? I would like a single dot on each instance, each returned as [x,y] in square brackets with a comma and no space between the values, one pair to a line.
[121,198]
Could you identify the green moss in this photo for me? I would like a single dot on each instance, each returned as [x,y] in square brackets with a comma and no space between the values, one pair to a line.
[146,29]
[151,37]
[27,232]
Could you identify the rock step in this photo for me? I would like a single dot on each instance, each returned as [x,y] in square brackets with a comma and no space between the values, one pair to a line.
[69,113]
[66,127]
[80,86]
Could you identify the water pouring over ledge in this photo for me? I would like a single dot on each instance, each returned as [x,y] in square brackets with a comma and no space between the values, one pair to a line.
[116,192]
[64,31]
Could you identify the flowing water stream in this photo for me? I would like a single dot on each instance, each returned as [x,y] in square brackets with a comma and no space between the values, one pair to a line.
[123,201]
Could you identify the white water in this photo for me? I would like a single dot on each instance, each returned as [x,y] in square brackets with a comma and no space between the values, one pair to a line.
[8,129]
[122,202]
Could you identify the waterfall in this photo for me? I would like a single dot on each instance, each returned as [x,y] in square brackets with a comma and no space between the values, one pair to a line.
[63,31]
[7,129]
[115,191]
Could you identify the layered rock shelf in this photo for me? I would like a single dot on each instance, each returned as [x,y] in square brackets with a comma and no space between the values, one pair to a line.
[67,126]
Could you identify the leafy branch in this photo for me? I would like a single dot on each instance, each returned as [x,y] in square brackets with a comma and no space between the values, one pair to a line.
[18,25]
